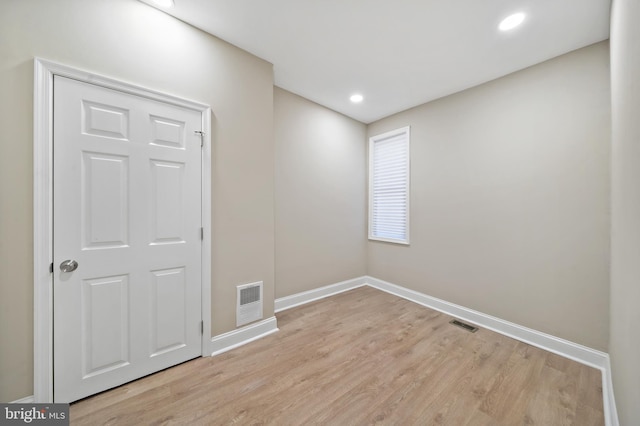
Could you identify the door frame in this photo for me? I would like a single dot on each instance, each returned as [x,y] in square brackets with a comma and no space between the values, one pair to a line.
[44,72]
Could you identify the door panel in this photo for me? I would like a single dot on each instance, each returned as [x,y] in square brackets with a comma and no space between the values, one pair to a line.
[167,132]
[105,120]
[105,316]
[166,204]
[105,200]
[127,208]
[168,310]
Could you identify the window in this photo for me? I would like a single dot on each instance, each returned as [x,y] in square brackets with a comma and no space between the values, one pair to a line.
[389,186]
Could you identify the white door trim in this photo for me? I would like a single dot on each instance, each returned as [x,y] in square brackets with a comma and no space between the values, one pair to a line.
[44,72]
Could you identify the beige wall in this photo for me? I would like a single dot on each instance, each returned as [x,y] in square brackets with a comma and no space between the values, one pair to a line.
[510,198]
[624,345]
[320,195]
[128,40]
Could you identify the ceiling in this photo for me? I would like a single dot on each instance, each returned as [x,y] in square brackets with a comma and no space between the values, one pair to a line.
[397,54]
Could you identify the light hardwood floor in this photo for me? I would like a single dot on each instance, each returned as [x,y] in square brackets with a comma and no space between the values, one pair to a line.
[361,357]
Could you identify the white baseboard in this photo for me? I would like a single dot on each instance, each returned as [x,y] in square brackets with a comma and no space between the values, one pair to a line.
[609,401]
[235,338]
[26,400]
[562,347]
[298,299]
[565,348]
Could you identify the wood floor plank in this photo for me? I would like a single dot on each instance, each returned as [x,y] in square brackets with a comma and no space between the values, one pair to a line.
[361,357]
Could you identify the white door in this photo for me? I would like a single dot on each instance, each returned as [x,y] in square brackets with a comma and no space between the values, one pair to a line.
[127,209]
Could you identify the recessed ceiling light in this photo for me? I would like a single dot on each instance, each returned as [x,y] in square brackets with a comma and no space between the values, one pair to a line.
[511,21]
[357,98]
[163,3]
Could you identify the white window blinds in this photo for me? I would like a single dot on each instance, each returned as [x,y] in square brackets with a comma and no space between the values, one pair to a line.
[389,186]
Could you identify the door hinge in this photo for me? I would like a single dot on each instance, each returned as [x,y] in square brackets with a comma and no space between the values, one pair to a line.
[51,268]
[201,134]
[202,234]
[201,327]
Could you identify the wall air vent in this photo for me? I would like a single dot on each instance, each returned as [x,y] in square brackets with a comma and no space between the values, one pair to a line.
[463,325]
[249,303]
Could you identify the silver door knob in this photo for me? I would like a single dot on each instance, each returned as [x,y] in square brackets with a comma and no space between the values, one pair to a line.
[68,266]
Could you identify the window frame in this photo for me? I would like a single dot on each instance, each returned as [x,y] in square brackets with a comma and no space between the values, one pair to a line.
[372,141]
